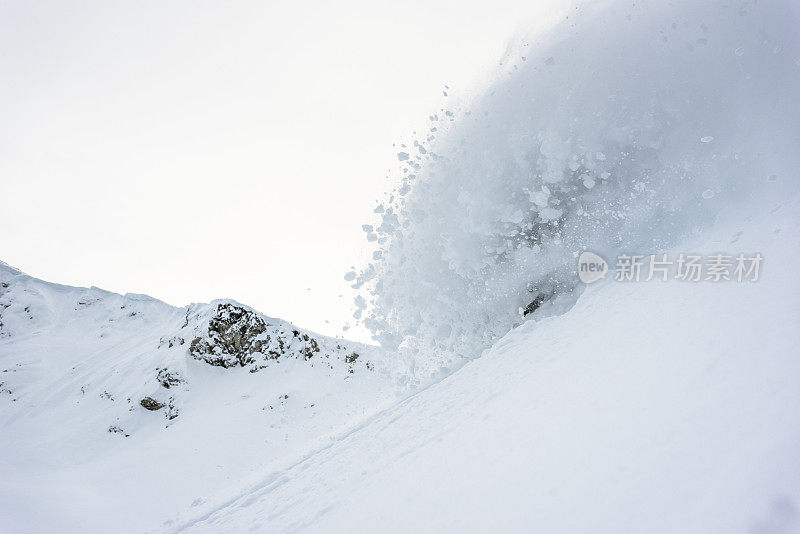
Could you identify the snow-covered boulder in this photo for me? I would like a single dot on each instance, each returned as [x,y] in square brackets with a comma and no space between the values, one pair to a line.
[229,334]
[234,334]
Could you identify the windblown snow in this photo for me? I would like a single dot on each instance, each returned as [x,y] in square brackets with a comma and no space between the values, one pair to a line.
[505,395]
[621,129]
[660,407]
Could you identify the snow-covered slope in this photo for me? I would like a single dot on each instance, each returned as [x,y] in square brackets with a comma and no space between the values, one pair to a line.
[648,407]
[613,408]
[116,411]
[661,407]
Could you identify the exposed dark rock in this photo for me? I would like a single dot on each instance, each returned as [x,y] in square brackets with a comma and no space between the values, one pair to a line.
[149,403]
[236,336]
[171,342]
[172,411]
[239,337]
[548,290]
[536,303]
[168,378]
[114,429]
[233,336]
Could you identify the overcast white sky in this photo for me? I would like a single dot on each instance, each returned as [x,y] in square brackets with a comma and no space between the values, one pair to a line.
[199,150]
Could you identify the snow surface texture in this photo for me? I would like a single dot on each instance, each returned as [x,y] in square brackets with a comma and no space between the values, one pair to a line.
[655,407]
[650,407]
[117,410]
[624,127]
[661,407]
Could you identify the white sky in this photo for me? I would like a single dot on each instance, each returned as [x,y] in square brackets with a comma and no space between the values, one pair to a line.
[200,150]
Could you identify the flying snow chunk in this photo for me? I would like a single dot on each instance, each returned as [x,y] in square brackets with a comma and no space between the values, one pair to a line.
[516,217]
[540,198]
[349,277]
[360,302]
[549,214]
[402,156]
[706,139]
[708,193]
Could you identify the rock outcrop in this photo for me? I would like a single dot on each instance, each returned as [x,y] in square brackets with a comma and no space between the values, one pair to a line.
[149,403]
[238,336]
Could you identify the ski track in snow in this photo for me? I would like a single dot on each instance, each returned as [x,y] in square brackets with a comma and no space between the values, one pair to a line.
[640,407]
[75,362]
[657,407]
[671,401]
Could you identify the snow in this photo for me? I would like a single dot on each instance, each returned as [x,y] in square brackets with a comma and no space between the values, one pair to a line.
[656,407]
[79,451]
[646,407]
[630,125]
[505,395]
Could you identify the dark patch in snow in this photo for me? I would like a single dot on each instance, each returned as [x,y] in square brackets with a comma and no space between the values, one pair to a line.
[149,403]
[238,337]
[168,378]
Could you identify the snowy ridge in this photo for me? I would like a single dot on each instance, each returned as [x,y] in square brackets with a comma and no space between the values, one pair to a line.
[105,381]
[505,395]
[229,334]
[223,333]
